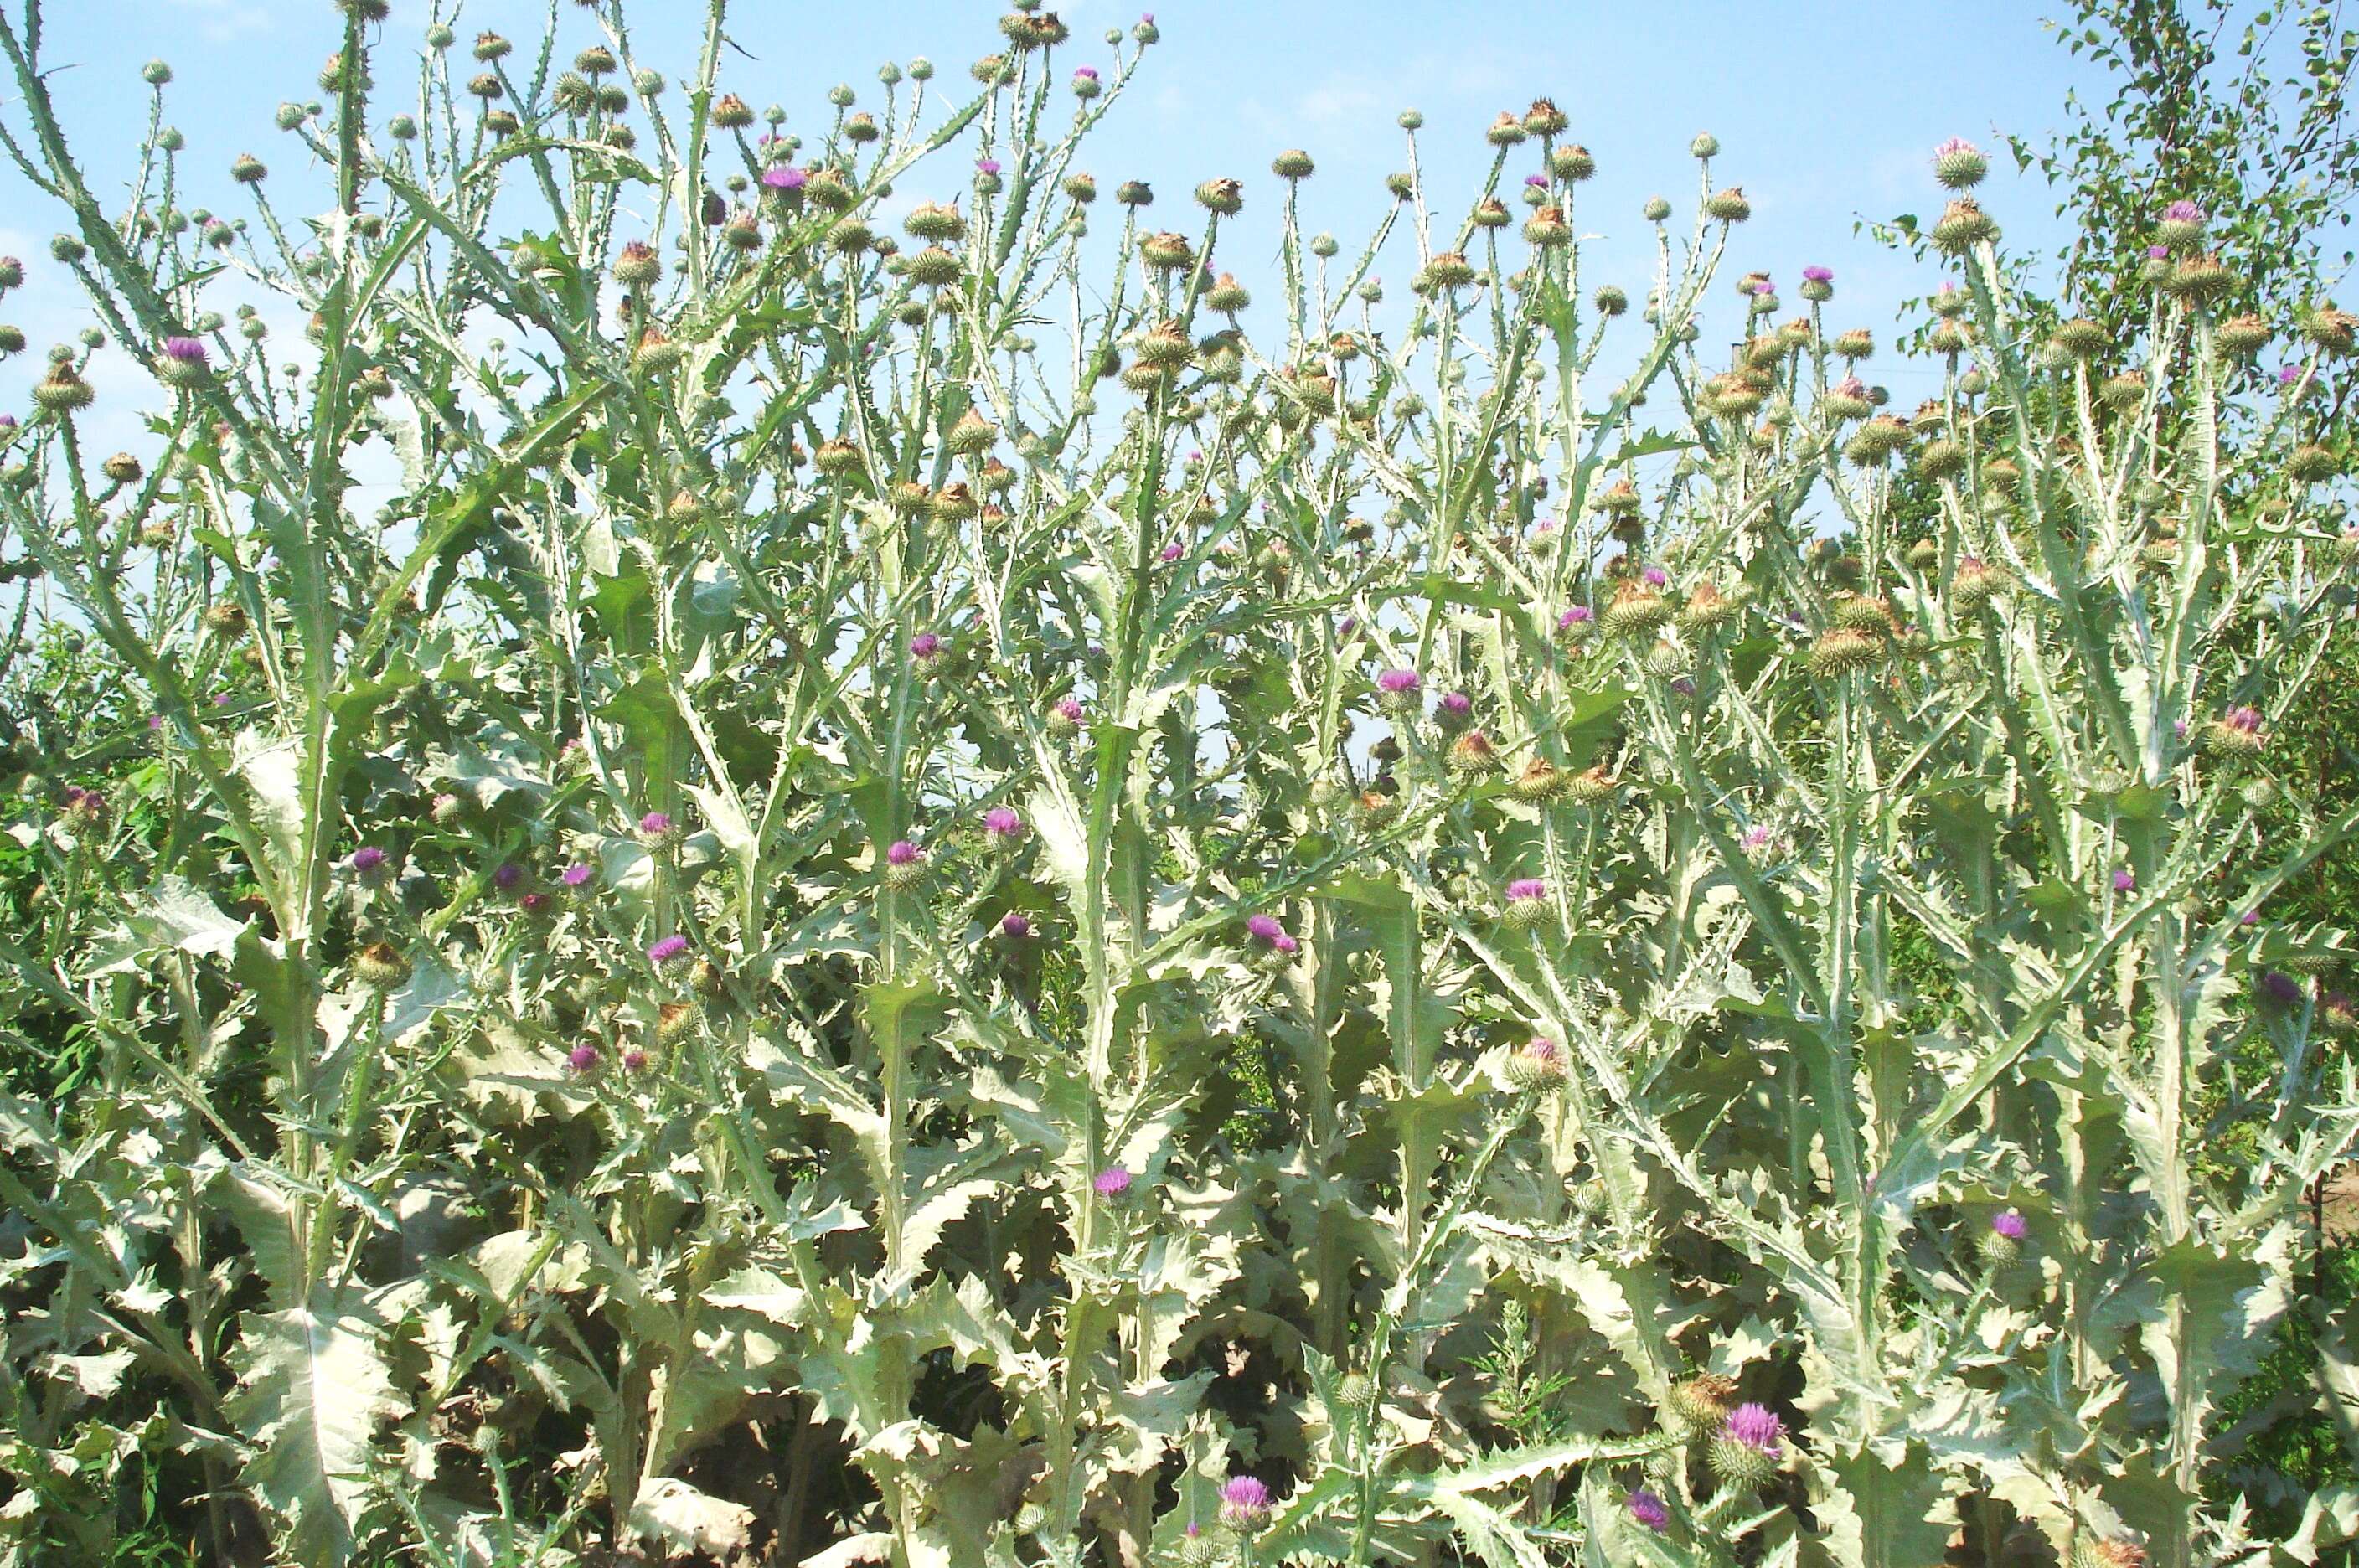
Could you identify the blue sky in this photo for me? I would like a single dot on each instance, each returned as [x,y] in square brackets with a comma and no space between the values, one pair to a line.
[1826,110]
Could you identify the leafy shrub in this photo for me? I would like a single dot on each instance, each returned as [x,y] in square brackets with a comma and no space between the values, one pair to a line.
[916,902]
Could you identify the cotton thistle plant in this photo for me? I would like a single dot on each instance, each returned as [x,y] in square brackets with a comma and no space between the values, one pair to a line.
[836,527]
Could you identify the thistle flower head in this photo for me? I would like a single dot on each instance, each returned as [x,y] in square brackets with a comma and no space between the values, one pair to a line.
[1244,1502]
[1397,681]
[1537,1064]
[578,875]
[784,177]
[668,951]
[1002,826]
[924,646]
[1755,1426]
[582,1058]
[1457,705]
[1264,928]
[1647,1509]
[508,877]
[2009,1224]
[1014,926]
[368,861]
[1817,275]
[2124,880]
[901,852]
[1114,1182]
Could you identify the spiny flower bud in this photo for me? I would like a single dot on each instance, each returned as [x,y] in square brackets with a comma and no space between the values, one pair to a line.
[1959,164]
[1590,786]
[1963,225]
[1225,197]
[1537,1063]
[1473,755]
[1702,1402]
[1245,1504]
[1818,284]
[1539,781]
[1877,441]
[1973,583]
[380,966]
[1706,609]
[224,620]
[2311,464]
[904,864]
[1526,902]
[2003,1242]
[62,390]
[2336,332]
[1572,163]
[2181,228]
[637,264]
[1843,651]
[1749,1447]
[2092,1551]
[1638,609]
[2242,336]
[2079,338]
[1728,206]
[2236,734]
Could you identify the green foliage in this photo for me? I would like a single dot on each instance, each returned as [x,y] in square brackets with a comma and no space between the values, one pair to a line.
[923,903]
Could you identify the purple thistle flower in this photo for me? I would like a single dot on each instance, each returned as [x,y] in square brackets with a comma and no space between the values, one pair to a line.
[654,824]
[1755,1426]
[1458,704]
[582,1057]
[368,861]
[925,644]
[188,351]
[2183,212]
[1578,615]
[533,903]
[1002,822]
[1086,73]
[578,875]
[1284,943]
[1954,145]
[1014,926]
[635,1059]
[508,877]
[2247,720]
[2250,918]
[668,950]
[986,166]
[783,177]
[1244,1502]
[1756,836]
[2158,252]
[2010,1224]
[1648,1510]
[1173,552]
[1527,889]
[1347,626]
[8,421]
[1537,182]
[1069,709]
[1397,681]
[1656,577]
[1819,274]
[2124,879]
[2281,988]
[1764,288]
[1264,928]
[901,852]
[2288,375]
[1113,1182]
[155,721]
